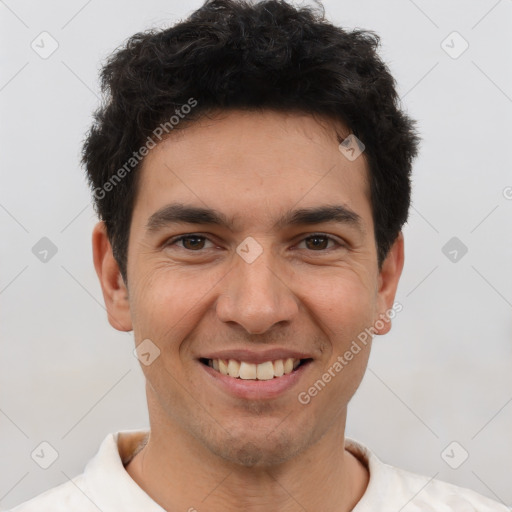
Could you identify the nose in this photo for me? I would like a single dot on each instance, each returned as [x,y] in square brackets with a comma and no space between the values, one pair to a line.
[257,295]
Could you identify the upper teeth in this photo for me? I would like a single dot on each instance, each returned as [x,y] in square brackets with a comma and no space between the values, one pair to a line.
[263,371]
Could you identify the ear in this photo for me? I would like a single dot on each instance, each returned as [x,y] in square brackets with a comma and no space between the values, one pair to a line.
[115,292]
[389,276]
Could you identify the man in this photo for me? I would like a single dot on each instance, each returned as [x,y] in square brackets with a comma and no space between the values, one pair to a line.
[251,170]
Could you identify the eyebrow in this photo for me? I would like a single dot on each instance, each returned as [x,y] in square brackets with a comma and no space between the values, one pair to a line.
[178,213]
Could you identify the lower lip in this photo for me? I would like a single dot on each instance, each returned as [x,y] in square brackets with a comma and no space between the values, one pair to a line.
[256,389]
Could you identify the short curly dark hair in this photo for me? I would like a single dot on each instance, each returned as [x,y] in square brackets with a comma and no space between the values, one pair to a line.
[235,54]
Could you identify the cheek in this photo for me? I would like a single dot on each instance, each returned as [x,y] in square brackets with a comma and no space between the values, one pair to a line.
[166,303]
[343,302]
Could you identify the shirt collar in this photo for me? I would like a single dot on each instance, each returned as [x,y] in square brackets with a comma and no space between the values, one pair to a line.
[111,488]
[109,485]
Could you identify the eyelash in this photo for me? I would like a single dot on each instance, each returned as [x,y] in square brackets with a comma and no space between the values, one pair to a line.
[173,241]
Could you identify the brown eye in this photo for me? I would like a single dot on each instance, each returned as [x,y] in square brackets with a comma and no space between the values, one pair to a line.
[193,243]
[317,242]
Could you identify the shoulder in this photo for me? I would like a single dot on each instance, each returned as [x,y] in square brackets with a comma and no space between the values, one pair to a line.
[429,494]
[393,488]
[63,498]
[80,493]
[104,483]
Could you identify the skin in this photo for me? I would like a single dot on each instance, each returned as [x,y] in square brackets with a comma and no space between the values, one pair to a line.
[190,299]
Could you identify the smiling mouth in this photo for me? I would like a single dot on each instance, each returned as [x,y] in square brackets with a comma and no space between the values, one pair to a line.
[267,370]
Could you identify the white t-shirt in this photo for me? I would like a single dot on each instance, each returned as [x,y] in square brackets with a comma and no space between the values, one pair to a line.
[105,486]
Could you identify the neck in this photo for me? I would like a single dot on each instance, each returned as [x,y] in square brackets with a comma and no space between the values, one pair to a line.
[179,473]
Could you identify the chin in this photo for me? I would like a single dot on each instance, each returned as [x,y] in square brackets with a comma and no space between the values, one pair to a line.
[261,451]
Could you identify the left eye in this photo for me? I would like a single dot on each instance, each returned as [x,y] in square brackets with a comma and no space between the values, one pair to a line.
[319,241]
[196,242]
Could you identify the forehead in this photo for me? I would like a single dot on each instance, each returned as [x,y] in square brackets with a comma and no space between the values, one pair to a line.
[253,165]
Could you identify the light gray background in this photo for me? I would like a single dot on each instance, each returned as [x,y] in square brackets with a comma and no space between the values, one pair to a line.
[442,374]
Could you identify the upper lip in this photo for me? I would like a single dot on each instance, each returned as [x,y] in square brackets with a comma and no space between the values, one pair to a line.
[251,356]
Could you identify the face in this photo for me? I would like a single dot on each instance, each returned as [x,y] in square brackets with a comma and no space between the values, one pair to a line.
[252,240]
